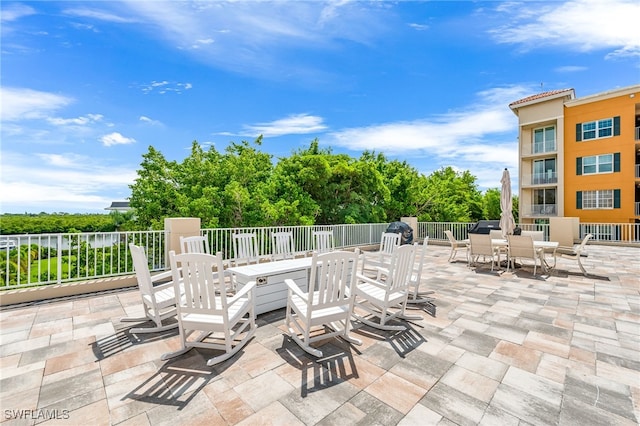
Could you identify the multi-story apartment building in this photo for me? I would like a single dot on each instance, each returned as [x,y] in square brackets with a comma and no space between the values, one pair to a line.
[579,157]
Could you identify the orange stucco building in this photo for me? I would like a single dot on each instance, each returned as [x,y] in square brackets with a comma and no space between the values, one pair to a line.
[579,157]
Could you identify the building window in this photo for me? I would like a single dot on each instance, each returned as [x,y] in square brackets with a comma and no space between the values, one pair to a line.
[544,202]
[544,139]
[544,171]
[597,164]
[605,163]
[604,128]
[602,199]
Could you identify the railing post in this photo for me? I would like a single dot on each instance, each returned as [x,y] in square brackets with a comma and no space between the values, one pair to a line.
[59,260]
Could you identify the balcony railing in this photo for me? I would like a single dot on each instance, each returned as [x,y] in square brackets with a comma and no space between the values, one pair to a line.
[546,178]
[638,133]
[637,171]
[45,259]
[539,148]
[637,209]
[543,209]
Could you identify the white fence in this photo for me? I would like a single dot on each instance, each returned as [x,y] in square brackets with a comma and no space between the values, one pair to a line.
[42,259]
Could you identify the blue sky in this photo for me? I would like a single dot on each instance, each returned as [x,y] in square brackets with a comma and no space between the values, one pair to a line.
[86,87]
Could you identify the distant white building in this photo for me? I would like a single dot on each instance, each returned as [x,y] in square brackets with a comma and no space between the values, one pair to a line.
[119,206]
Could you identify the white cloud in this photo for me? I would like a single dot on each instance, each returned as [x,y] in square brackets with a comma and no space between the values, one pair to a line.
[293,124]
[419,27]
[164,86]
[571,68]
[445,135]
[116,138]
[79,183]
[22,104]
[583,25]
[100,15]
[258,38]
[12,12]
[151,121]
[78,121]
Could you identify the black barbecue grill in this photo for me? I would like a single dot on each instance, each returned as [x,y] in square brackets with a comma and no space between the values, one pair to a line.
[484,227]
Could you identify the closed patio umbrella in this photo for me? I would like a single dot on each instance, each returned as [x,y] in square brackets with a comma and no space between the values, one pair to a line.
[507,224]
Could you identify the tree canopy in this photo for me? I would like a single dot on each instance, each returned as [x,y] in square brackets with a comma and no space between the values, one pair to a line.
[243,187]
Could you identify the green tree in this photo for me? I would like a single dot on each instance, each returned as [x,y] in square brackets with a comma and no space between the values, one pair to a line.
[449,196]
[491,204]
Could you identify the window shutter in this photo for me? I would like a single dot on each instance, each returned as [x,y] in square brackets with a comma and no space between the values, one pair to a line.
[579,200]
[616,198]
[579,166]
[578,132]
[616,126]
[616,162]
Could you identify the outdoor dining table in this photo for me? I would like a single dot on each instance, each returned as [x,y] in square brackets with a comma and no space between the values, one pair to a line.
[546,246]
[271,290]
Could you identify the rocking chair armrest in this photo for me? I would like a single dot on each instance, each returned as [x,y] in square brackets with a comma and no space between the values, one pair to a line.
[360,277]
[293,287]
[243,291]
[161,276]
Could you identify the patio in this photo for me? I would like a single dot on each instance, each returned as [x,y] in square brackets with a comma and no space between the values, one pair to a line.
[496,348]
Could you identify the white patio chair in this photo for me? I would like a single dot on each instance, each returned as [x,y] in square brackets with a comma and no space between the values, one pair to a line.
[496,234]
[386,299]
[481,245]
[245,249]
[327,305]
[158,301]
[282,246]
[455,245]
[576,252]
[323,241]
[389,241]
[415,295]
[222,322]
[195,244]
[521,247]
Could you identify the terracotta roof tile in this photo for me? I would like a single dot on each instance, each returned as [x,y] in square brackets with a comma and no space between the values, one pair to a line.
[539,96]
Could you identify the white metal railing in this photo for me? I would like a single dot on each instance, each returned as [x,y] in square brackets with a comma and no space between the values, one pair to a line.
[42,259]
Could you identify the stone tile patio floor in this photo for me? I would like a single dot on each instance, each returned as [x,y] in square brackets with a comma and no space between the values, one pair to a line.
[495,348]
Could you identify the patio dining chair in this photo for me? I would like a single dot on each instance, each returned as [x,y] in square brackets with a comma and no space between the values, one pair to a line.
[389,241]
[521,247]
[378,301]
[157,292]
[481,245]
[455,245]
[220,322]
[576,252]
[327,305]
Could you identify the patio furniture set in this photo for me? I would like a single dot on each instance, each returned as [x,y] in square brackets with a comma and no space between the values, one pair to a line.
[528,245]
[216,302]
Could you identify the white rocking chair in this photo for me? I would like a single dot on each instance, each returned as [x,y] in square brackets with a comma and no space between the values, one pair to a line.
[224,323]
[195,244]
[323,241]
[158,301]
[328,302]
[386,299]
[381,258]
[415,295]
[245,249]
[282,246]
